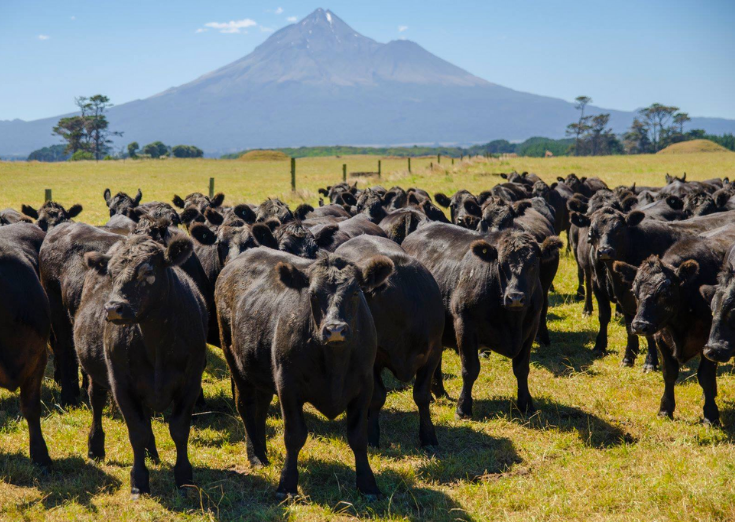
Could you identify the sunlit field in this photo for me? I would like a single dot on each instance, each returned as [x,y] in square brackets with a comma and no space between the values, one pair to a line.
[595,449]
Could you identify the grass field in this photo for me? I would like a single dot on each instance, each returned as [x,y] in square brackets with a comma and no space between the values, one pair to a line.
[594,451]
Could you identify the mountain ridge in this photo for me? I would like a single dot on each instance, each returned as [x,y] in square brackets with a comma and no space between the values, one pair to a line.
[318,81]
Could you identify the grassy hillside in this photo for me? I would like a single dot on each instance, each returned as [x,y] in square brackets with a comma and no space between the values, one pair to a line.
[693,146]
[594,451]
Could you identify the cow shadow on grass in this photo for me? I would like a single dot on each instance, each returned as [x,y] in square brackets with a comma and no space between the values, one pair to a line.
[591,429]
[569,353]
[70,479]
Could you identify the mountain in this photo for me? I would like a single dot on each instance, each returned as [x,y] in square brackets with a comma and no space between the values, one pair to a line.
[319,82]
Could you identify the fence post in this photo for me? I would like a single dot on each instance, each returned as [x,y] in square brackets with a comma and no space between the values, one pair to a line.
[431,165]
[344,172]
[293,174]
[438,158]
[379,170]
[409,164]
[47,195]
[211,188]
[452,161]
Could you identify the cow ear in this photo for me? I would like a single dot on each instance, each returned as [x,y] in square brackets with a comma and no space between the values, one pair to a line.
[560,179]
[178,251]
[245,213]
[97,261]
[668,178]
[629,202]
[74,211]
[577,205]
[203,234]
[687,270]
[189,215]
[583,179]
[134,213]
[178,201]
[213,216]
[324,236]
[263,235]
[550,247]
[684,178]
[484,250]
[483,196]
[302,210]
[625,271]
[273,223]
[442,199]
[107,195]
[218,199]
[708,293]
[374,274]
[634,218]
[521,206]
[580,220]
[503,175]
[674,202]
[29,211]
[349,199]
[323,192]
[412,199]
[553,185]
[721,198]
[291,277]
[138,197]
[472,207]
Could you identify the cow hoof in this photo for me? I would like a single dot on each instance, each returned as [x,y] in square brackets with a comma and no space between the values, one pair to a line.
[372,497]
[462,416]
[627,363]
[285,495]
[256,463]
[96,457]
[484,355]
[711,423]
[647,368]
[597,352]
[430,450]
[586,313]
[663,414]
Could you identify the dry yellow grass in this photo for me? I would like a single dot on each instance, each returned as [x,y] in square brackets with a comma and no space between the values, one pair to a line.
[693,146]
[264,155]
[594,451]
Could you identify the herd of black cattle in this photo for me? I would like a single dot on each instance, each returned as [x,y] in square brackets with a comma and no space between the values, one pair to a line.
[313,304]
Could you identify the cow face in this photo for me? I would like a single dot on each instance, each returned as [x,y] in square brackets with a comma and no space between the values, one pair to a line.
[657,288]
[699,204]
[51,214]
[464,208]
[273,208]
[497,214]
[121,202]
[232,240]
[541,190]
[335,289]
[720,346]
[609,233]
[138,270]
[518,258]
[370,203]
[298,240]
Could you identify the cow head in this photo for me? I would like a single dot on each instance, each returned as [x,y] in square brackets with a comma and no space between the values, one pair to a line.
[497,214]
[138,268]
[273,208]
[51,214]
[232,240]
[609,232]
[298,240]
[121,202]
[335,287]
[720,346]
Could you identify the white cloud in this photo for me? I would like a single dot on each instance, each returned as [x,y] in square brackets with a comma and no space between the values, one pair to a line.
[279,10]
[231,27]
[292,19]
[200,30]
[43,37]
[402,28]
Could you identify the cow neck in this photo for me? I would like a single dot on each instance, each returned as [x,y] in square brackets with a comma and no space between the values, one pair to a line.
[152,324]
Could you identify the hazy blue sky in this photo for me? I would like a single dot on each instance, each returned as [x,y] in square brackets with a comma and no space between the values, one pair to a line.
[624,54]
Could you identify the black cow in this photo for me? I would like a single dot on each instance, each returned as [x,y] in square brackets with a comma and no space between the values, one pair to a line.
[409,319]
[720,345]
[303,330]
[492,296]
[199,201]
[121,201]
[273,208]
[25,324]
[140,332]
[10,216]
[464,208]
[51,214]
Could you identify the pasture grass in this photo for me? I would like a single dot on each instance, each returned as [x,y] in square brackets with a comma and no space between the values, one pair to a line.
[595,450]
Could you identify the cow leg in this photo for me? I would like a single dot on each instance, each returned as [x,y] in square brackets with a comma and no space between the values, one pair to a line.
[632,348]
[707,377]
[588,309]
[651,364]
[30,407]
[604,313]
[294,435]
[150,447]
[521,364]
[437,382]
[422,398]
[247,400]
[357,411]
[468,354]
[65,359]
[179,426]
[96,438]
[580,285]
[376,404]
[670,371]
[139,428]
[543,329]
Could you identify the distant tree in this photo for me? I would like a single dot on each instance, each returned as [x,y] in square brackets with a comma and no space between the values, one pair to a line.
[657,118]
[636,140]
[50,154]
[680,118]
[82,155]
[72,130]
[155,149]
[582,126]
[187,151]
[133,149]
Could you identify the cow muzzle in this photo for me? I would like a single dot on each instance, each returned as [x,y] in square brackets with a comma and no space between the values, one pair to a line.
[119,313]
[335,332]
[514,301]
[717,352]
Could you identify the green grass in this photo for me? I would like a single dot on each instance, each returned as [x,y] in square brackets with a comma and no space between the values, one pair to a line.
[594,451]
